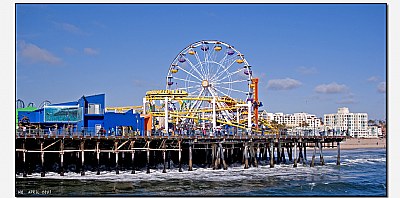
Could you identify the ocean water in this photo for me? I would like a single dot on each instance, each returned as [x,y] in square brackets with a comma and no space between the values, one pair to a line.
[362,173]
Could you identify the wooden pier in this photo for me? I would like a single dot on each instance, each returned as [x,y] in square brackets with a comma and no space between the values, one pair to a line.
[114,153]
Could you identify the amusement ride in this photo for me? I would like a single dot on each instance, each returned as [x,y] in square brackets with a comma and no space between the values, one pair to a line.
[209,87]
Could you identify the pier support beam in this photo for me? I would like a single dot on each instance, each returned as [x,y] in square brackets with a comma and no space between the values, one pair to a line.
[207,156]
[253,156]
[267,158]
[24,160]
[338,154]
[213,156]
[305,152]
[300,159]
[29,169]
[108,168]
[232,151]
[313,156]
[169,159]
[217,157]
[164,147]
[258,154]
[283,155]
[321,156]
[116,157]
[289,151]
[246,156]
[264,154]
[222,156]
[271,154]
[133,157]
[180,156]
[295,155]
[190,158]
[278,152]
[154,160]
[42,174]
[62,158]
[148,157]
[83,157]
[98,157]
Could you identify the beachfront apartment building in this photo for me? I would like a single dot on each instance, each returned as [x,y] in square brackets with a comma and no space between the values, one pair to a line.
[353,124]
[308,121]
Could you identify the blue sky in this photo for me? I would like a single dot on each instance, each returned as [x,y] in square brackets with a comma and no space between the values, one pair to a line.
[309,58]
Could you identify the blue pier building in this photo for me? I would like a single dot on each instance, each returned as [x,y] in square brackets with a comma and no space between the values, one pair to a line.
[86,116]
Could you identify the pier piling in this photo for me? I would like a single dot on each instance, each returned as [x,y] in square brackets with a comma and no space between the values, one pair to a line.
[278,153]
[180,156]
[232,151]
[218,159]
[98,157]
[267,158]
[42,174]
[133,157]
[164,147]
[116,157]
[338,154]
[148,157]
[264,154]
[24,160]
[190,158]
[295,155]
[300,159]
[222,157]
[108,167]
[213,156]
[258,154]
[321,156]
[313,156]
[271,154]
[169,159]
[254,157]
[207,156]
[305,152]
[246,157]
[83,157]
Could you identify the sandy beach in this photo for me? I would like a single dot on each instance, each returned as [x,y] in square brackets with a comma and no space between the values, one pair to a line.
[357,143]
[354,143]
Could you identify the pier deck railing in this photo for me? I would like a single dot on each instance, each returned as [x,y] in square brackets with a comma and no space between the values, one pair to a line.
[46,133]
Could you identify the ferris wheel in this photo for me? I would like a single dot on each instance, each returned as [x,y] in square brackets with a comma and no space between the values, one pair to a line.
[210,68]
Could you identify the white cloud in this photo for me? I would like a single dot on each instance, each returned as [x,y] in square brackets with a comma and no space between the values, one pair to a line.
[307,70]
[99,24]
[34,54]
[90,51]
[373,79]
[382,87]
[68,27]
[283,84]
[346,101]
[70,50]
[331,88]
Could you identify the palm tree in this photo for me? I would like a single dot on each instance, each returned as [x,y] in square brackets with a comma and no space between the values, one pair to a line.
[371,122]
